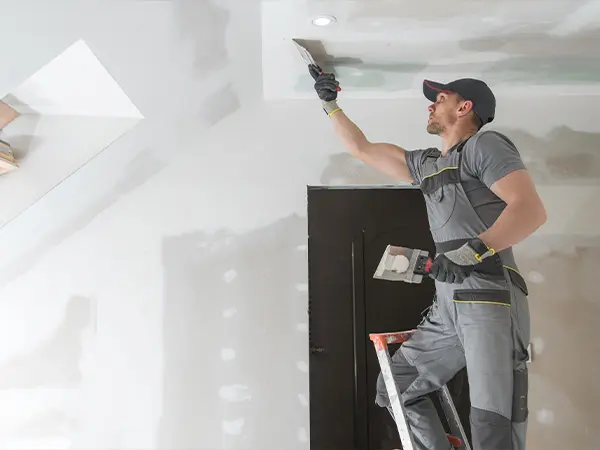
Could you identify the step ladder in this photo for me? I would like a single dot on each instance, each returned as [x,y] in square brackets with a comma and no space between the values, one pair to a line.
[458,439]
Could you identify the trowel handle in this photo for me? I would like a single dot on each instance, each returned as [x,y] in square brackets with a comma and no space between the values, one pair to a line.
[318,68]
[428,265]
[423,265]
[321,73]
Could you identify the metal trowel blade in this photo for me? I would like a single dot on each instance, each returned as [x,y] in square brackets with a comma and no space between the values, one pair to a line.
[392,266]
[306,56]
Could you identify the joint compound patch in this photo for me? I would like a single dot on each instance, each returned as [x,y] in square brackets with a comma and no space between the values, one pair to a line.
[227,354]
[302,327]
[229,276]
[535,277]
[302,399]
[229,313]
[545,416]
[235,393]
[233,427]
[302,287]
[538,345]
[302,366]
[302,434]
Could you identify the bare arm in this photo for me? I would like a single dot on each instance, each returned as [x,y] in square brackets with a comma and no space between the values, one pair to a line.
[524,212]
[387,158]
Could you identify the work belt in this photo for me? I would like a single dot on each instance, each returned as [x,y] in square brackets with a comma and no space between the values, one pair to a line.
[491,266]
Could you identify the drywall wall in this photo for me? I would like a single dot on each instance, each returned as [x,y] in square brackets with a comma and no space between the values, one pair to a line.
[196,288]
[157,298]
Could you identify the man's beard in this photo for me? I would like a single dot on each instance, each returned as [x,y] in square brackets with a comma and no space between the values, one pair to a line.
[434,128]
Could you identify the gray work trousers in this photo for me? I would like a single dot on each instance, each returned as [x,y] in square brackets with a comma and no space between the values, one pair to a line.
[486,328]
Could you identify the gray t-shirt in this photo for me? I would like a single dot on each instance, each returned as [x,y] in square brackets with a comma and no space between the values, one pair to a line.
[487,157]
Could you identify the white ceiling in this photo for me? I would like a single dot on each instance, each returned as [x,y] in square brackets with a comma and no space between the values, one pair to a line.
[201,59]
[384,49]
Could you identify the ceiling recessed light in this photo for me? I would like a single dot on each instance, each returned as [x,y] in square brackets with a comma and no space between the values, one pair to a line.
[323,21]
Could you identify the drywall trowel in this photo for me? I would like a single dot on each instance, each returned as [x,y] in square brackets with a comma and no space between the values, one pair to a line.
[403,264]
[307,57]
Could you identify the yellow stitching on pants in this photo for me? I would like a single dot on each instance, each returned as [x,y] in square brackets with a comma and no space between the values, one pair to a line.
[481,301]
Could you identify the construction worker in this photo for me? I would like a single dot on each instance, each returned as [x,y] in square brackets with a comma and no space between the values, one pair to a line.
[480,201]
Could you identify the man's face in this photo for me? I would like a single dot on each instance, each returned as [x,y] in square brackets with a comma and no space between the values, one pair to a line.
[443,114]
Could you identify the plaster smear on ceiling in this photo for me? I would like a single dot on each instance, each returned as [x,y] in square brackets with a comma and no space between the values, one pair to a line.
[383,49]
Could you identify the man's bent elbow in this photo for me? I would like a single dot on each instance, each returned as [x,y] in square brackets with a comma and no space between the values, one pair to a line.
[543,216]
[540,214]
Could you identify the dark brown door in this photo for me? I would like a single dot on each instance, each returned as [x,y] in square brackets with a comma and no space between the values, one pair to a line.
[349,230]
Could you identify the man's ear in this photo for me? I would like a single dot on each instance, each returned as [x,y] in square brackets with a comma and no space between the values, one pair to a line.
[465,108]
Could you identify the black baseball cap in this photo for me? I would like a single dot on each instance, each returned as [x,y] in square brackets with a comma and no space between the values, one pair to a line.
[484,102]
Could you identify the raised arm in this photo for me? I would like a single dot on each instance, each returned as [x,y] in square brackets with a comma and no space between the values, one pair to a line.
[387,158]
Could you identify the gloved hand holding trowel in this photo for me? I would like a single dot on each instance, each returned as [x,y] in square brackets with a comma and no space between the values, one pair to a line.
[408,265]
[327,88]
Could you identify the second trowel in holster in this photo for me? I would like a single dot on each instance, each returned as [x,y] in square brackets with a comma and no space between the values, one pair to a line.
[403,264]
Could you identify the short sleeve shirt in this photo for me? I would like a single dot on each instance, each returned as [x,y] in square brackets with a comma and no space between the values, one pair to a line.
[487,157]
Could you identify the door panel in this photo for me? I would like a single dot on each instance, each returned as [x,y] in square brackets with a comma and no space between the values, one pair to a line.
[349,230]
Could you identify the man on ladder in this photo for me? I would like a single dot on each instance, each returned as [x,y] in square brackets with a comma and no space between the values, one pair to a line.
[480,201]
